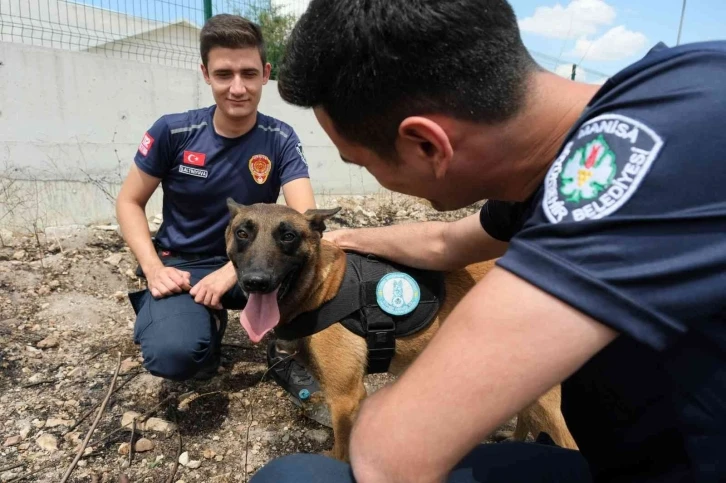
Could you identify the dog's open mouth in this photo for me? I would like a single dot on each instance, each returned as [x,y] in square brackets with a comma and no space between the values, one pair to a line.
[262,312]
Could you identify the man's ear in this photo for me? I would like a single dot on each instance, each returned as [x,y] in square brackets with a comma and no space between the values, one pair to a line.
[316,218]
[424,139]
[205,73]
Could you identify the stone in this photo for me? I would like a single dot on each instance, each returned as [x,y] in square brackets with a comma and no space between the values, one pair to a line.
[152,424]
[114,259]
[208,454]
[128,364]
[318,435]
[184,459]
[48,343]
[54,422]
[124,449]
[12,441]
[47,442]
[143,445]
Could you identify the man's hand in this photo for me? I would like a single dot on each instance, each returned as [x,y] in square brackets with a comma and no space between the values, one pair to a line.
[209,290]
[333,236]
[164,281]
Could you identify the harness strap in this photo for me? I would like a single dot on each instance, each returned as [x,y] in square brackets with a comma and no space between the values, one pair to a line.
[356,308]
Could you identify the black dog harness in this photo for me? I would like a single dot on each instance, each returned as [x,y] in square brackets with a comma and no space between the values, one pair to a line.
[356,307]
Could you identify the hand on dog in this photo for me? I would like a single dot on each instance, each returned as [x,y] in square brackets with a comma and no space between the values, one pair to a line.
[209,290]
[333,237]
[165,281]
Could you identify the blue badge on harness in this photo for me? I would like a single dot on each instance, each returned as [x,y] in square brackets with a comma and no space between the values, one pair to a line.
[398,293]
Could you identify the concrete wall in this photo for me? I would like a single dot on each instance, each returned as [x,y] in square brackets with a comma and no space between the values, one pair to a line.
[70,124]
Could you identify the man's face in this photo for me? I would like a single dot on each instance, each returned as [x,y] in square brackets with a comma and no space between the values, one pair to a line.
[410,174]
[236,77]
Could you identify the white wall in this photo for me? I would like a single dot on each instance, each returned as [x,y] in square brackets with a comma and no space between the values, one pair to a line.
[70,124]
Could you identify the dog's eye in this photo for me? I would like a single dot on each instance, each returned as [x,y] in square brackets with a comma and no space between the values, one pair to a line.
[288,237]
[241,234]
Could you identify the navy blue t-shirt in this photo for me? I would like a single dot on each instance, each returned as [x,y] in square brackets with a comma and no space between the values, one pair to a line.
[629,227]
[199,169]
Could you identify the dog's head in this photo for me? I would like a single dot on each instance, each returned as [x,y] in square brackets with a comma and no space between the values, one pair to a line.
[272,247]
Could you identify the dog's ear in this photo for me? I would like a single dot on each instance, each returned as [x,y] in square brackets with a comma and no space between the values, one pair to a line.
[317,218]
[233,206]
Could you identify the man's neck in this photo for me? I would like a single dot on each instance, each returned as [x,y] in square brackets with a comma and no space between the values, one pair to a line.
[232,128]
[549,119]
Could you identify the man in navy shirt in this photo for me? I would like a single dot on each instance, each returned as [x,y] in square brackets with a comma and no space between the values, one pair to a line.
[608,211]
[201,157]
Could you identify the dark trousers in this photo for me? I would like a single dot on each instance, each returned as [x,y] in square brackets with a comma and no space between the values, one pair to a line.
[506,462]
[177,335]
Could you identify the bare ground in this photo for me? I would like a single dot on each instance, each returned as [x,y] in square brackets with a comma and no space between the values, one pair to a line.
[64,322]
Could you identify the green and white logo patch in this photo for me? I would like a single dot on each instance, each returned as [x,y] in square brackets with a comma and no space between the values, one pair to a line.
[599,169]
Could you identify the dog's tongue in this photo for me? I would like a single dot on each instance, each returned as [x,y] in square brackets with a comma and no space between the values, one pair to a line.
[260,315]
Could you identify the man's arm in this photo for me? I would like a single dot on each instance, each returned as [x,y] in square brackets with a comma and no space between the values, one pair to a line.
[506,343]
[130,212]
[298,194]
[431,245]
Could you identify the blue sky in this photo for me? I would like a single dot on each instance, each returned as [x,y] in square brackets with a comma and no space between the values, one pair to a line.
[607,35]
[601,36]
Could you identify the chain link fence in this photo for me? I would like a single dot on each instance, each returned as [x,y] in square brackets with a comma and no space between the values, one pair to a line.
[166,32]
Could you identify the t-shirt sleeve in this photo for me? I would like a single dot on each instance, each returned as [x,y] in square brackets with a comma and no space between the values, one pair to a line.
[502,219]
[630,228]
[292,164]
[154,155]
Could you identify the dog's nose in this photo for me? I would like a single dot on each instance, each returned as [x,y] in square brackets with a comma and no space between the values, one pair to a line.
[256,282]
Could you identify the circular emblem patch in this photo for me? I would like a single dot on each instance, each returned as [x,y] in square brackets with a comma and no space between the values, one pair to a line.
[260,166]
[398,293]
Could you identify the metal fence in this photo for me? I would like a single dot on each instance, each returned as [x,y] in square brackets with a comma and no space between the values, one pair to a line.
[164,32]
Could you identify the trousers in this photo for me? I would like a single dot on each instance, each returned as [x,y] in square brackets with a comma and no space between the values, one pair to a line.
[506,462]
[178,336]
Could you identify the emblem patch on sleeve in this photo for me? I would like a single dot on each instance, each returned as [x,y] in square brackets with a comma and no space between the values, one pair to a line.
[260,166]
[299,149]
[599,169]
[146,143]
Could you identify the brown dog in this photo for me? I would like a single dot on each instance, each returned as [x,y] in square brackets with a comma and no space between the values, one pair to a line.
[286,269]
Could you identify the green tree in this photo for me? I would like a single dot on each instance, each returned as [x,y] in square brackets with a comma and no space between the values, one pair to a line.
[276,26]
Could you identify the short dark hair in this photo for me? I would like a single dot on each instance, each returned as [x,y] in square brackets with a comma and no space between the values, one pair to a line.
[232,32]
[371,63]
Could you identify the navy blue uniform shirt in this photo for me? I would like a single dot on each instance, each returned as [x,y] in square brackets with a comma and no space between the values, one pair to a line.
[629,227]
[199,169]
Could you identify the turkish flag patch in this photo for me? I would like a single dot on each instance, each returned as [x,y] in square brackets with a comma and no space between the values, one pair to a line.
[195,159]
[146,143]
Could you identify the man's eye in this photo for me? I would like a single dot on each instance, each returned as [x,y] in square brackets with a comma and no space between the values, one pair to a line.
[288,237]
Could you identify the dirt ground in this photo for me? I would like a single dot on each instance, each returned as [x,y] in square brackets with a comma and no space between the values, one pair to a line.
[64,322]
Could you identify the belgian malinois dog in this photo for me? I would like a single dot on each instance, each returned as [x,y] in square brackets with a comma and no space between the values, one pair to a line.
[286,269]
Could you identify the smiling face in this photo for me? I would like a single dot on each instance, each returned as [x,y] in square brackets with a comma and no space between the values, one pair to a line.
[236,77]
[270,247]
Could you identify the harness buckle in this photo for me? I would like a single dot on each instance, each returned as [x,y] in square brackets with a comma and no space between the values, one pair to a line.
[381,349]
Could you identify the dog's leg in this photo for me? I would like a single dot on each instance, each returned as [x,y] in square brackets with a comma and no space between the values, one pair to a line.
[338,359]
[545,415]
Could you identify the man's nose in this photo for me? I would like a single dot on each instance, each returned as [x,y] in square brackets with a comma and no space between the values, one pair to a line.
[238,87]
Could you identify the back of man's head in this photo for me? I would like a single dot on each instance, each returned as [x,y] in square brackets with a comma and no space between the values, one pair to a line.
[232,32]
[371,63]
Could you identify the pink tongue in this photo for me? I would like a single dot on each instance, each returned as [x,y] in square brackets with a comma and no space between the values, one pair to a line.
[260,315]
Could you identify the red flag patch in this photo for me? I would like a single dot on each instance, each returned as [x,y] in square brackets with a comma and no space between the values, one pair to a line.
[195,159]
[146,143]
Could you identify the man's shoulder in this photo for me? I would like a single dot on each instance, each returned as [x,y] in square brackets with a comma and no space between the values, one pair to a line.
[274,127]
[185,121]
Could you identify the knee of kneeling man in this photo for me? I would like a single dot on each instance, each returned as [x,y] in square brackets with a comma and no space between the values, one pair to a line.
[174,361]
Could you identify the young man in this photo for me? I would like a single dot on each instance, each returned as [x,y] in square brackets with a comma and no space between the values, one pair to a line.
[201,157]
[609,220]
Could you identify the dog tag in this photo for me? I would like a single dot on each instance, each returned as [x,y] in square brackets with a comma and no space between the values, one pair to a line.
[398,293]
